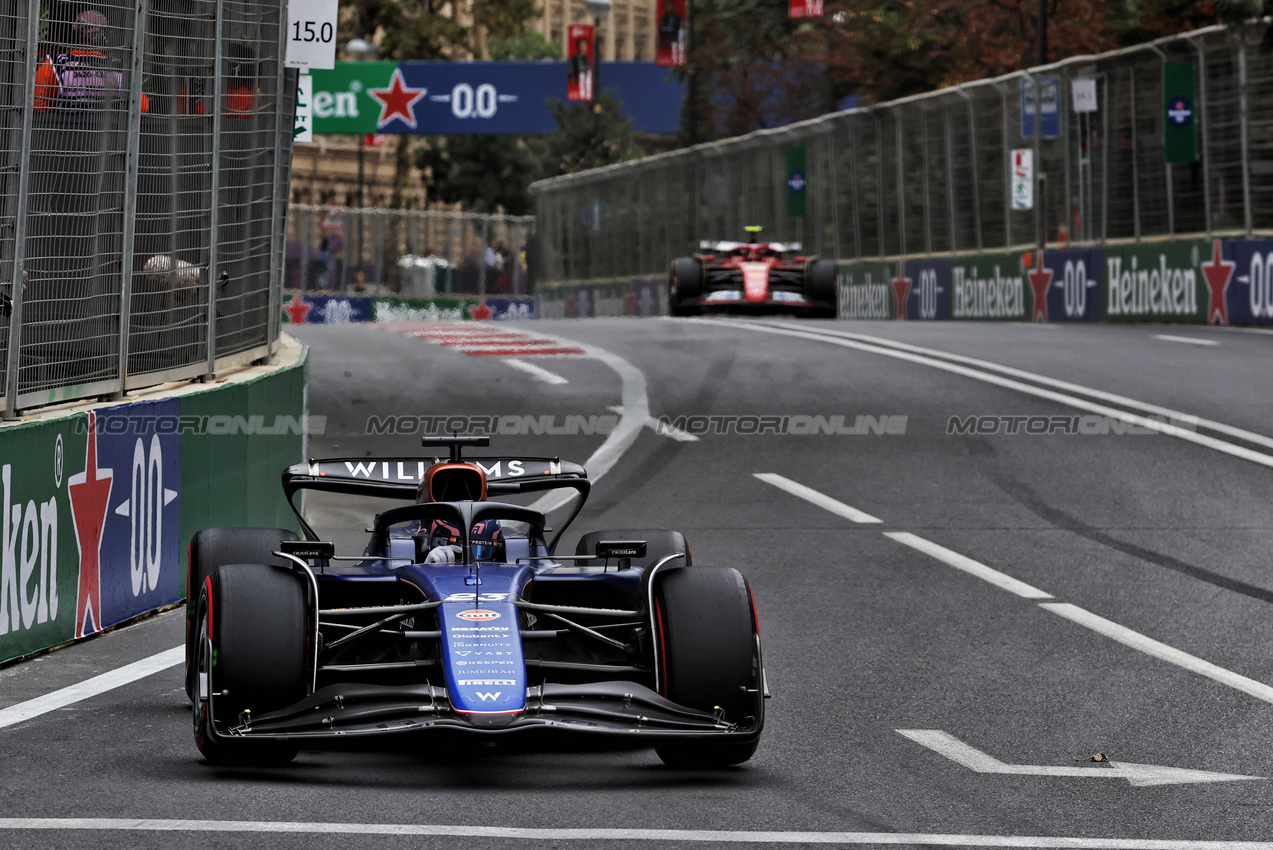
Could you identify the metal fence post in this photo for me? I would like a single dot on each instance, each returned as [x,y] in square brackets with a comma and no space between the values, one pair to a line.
[481,257]
[17,288]
[928,206]
[214,210]
[901,184]
[1040,225]
[972,157]
[835,191]
[278,260]
[1202,129]
[853,191]
[1007,171]
[130,191]
[1131,75]
[879,180]
[1105,118]
[1245,119]
[950,177]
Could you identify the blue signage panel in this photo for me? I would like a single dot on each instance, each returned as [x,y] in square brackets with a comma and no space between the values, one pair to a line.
[1239,278]
[1067,286]
[923,286]
[1051,107]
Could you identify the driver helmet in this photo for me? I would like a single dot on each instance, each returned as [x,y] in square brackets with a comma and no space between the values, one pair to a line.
[487,541]
[443,533]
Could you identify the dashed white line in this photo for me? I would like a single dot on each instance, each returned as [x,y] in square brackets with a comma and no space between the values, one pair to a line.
[662,428]
[968,565]
[663,836]
[1081,404]
[1191,340]
[815,498]
[92,687]
[535,372]
[1158,650]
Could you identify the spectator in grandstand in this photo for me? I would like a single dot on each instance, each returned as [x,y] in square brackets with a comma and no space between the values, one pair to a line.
[83,77]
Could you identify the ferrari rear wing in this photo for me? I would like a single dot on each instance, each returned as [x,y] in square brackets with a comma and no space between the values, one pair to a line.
[780,247]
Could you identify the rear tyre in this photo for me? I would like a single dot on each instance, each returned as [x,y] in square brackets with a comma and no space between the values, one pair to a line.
[659,544]
[822,288]
[685,287]
[251,650]
[709,660]
[213,547]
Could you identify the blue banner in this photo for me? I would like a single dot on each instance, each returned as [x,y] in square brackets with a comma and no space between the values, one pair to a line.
[1066,288]
[922,287]
[139,447]
[1239,278]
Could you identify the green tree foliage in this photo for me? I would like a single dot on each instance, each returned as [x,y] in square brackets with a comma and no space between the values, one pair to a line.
[484,173]
[503,18]
[527,45]
[577,146]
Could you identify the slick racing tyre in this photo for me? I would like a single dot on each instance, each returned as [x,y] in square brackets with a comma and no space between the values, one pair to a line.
[659,544]
[709,659]
[685,287]
[210,549]
[250,658]
[822,287]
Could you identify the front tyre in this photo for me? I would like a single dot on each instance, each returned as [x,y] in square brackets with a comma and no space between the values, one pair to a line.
[250,652]
[822,288]
[709,659]
[685,286]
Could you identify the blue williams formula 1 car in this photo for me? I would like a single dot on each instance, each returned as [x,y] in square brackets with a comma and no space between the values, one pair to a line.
[459,617]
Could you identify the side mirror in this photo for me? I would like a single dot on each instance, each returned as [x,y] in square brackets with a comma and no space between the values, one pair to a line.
[308,549]
[623,550]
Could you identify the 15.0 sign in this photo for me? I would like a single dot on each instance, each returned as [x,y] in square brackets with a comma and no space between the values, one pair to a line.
[311,34]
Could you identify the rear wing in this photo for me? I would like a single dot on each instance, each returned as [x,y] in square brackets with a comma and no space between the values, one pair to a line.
[400,477]
[780,247]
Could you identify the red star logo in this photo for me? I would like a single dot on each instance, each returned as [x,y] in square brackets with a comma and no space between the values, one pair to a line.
[481,312]
[397,101]
[297,309]
[1040,280]
[1218,272]
[89,492]
[901,286]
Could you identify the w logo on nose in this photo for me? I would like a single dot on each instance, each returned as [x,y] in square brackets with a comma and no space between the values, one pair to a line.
[486,696]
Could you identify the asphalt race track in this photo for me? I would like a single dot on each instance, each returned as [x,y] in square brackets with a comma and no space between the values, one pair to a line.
[954,624]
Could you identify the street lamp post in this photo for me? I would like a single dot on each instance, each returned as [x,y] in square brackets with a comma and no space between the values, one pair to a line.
[599,9]
[361,49]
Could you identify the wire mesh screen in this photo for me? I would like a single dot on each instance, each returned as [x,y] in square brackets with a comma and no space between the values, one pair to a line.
[407,252]
[932,174]
[110,185]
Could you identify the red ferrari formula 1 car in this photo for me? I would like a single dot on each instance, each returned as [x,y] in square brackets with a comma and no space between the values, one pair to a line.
[750,277]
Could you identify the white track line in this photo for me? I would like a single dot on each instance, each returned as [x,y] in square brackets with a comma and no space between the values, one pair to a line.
[814,497]
[635,410]
[536,372]
[663,430]
[968,565]
[1220,427]
[92,687]
[1122,415]
[1162,651]
[664,836]
[1187,339]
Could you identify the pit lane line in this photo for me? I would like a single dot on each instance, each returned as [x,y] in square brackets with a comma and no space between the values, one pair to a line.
[925,839]
[1073,613]
[948,362]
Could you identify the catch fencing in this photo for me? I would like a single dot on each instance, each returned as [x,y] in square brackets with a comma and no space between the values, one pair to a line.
[145,154]
[418,254]
[932,174]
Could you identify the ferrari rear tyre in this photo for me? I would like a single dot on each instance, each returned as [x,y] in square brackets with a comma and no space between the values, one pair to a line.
[709,659]
[210,549]
[686,286]
[659,544]
[250,658]
[822,287]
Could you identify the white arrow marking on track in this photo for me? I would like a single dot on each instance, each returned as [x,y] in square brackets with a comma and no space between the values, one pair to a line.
[660,428]
[1137,774]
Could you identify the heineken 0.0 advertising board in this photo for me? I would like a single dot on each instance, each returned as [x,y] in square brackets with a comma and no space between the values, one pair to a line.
[1163,282]
[989,286]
